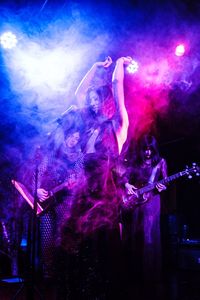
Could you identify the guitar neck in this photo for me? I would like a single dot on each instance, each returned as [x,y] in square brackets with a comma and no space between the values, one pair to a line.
[172,177]
[58,188]
[166,180]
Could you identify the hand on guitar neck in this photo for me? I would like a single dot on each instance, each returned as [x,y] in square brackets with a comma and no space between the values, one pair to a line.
[160,187]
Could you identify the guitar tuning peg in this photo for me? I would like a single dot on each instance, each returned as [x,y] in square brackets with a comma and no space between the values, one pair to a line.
[189,176]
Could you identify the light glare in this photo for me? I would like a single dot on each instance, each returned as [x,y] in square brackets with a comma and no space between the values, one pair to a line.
[180,50]
[8,40]
[132,67]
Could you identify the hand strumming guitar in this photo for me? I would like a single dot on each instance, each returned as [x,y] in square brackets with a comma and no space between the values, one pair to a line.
[131,189]
[42,194]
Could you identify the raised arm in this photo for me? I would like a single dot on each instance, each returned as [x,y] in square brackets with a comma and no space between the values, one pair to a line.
[85,83]
[121,121]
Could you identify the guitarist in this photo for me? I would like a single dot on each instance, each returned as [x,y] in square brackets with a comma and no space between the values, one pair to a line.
[142,225]
[58,160]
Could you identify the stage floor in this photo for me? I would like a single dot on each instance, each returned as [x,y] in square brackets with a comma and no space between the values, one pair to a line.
[178,285]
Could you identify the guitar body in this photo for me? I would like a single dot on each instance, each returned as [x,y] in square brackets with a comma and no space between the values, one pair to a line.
[48,203]
[142,195]
[130,202]
[42,206]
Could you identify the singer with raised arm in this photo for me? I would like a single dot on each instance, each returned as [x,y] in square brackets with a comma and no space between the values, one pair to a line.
[94,216]
[87,95]
[93,100]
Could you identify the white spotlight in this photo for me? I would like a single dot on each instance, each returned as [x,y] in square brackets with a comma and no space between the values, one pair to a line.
[8,40]
[132,67]
[180,50]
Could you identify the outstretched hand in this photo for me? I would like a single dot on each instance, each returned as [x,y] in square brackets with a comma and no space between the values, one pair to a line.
[125,59]
[106,63]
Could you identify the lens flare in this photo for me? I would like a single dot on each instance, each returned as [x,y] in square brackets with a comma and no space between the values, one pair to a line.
[132,67]
[8,40]
[180,50]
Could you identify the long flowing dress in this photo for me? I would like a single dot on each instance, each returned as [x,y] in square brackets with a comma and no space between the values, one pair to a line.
[93,223]
[142,225]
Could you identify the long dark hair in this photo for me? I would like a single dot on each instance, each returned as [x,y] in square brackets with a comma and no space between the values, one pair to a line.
[105,94]
[148,141]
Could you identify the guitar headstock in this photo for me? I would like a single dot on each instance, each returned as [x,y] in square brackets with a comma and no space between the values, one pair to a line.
[193,170]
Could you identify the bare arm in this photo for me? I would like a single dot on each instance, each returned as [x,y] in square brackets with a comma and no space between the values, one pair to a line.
[85,83]
[160,187]
[121,121]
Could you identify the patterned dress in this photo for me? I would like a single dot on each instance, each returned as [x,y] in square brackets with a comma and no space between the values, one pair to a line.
[52,169]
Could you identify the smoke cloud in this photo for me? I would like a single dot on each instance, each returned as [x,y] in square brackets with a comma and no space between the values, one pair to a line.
[58,43]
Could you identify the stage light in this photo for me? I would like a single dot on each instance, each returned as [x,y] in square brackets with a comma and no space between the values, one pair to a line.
[180,50]
[8,40]
[132,67]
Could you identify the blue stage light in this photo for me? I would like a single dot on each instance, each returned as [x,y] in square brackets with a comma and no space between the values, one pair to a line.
[8,40]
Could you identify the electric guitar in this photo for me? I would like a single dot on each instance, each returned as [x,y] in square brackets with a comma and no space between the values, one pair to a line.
[142,195]
[41,205]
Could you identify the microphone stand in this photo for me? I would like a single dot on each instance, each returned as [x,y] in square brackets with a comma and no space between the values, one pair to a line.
[29,283]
